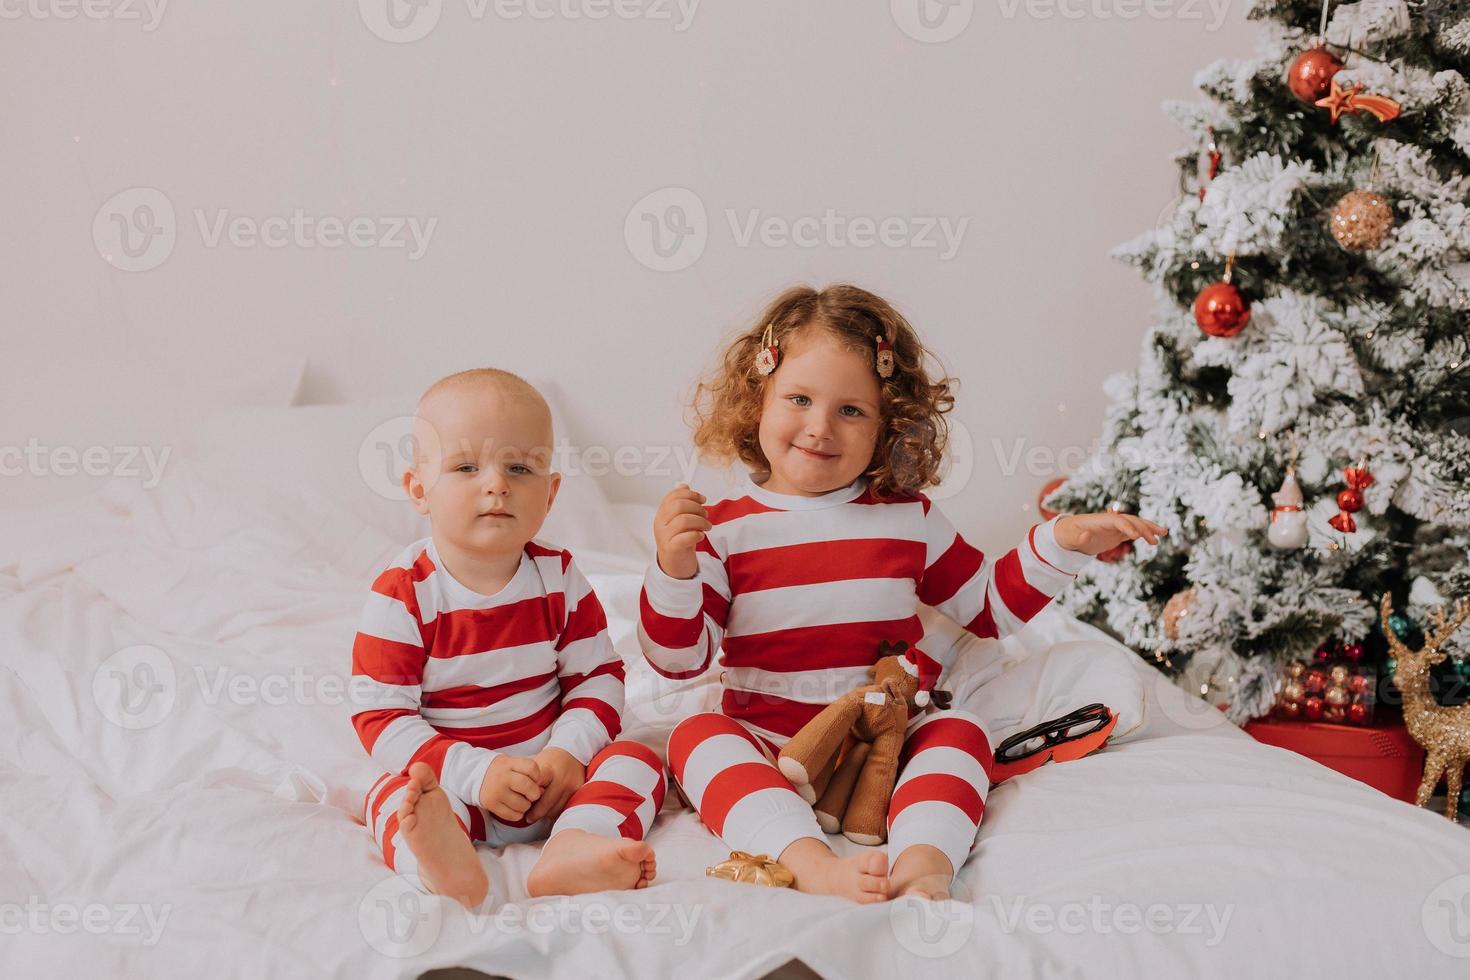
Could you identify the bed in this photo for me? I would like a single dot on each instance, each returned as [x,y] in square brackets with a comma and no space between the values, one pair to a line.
[182,784]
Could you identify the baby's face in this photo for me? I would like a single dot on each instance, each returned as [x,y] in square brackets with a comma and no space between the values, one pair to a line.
[821,417]
[482,468]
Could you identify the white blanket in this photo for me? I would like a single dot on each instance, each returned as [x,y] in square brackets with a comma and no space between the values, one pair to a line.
[182,793]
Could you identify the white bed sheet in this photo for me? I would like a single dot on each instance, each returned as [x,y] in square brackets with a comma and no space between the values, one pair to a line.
[223,838]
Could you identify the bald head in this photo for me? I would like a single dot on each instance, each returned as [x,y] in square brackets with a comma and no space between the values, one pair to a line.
[481,406]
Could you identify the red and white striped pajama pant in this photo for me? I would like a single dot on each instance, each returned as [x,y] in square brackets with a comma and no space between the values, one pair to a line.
[623,793]
[729,776]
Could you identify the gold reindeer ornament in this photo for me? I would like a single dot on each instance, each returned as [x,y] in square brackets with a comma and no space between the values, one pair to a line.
[1443,731]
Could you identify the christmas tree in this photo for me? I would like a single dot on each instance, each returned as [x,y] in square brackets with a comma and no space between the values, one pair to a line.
[1300,416]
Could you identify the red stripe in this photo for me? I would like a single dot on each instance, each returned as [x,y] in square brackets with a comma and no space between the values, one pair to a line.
[466,631]
[824,561]
[716,606]
[938,787]
[1020,596]
[690,732]
[537,551]
[376,810]
[724,511]
[819,647]
[477,822]
[669,632]
[390,831]
[509,733]
[983,625]
[959,564]
[631,750]
[768,711]
[613,668]
[586,620]
[950,732]
[734,784]
[470,696]
[432,752]
[615,796]
[370,724]
[606,713]
[388,661]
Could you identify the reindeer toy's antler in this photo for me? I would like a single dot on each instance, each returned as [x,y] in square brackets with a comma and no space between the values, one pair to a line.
[1444,732]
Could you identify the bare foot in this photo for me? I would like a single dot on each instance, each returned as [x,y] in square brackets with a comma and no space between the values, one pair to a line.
[818,871]
[575,862]
[923,871]
[448,864]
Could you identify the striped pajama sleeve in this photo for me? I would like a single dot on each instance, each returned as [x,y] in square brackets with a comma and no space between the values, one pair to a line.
[388,660]
[590,673]
[682,621]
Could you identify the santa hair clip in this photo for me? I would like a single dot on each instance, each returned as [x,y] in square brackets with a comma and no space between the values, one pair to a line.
[770,353]
[884,361]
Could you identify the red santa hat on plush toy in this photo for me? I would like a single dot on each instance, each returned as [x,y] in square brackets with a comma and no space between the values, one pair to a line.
[919,664]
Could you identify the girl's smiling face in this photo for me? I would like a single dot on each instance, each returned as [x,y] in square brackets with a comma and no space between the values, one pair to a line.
[821,416]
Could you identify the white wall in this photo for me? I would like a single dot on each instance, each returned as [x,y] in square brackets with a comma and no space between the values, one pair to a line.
[529,141]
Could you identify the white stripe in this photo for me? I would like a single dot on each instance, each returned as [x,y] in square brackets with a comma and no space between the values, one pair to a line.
[517,707]
[389,619]
[586,655]
[489,668]
[710,758]
[595,818]
[397,743]
[946,760]
[368,694]
[822,604]
[1039,575]
[846,522]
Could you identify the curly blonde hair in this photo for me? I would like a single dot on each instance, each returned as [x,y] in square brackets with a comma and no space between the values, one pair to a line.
[913,432]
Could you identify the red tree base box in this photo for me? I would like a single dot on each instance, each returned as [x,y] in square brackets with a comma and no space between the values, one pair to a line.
[1381,755]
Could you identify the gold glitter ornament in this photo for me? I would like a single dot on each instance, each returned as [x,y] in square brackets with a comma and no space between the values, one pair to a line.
[1443,731]
[1361,220]
[756,869]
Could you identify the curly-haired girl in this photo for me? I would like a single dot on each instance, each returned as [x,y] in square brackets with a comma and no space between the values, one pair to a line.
[826,553]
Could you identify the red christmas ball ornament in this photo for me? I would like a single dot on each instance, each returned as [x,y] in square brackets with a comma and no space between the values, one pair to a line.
[1221,311]
[1045,511]
[1357,712]
[1310,75]
[1117,554]
[1350,500]
[1316,681]
[1352,652]
[1358,684]
[1323,653]
[1312,708]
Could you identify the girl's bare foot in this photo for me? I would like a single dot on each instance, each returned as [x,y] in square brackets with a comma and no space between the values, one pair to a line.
[575,862]
[924,871]
[818,871]
[448,864]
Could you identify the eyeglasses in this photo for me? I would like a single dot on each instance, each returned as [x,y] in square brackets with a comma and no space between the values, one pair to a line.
[1066,738]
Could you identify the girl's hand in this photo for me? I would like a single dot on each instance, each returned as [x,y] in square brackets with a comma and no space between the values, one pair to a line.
[678,527]
[1092,534]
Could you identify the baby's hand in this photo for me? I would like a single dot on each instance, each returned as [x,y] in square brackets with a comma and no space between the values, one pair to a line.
[561,776]
[678,527]
[1092,534]
[511,787]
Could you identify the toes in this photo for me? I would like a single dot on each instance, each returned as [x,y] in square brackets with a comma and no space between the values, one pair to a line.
[421,773]
[873,863]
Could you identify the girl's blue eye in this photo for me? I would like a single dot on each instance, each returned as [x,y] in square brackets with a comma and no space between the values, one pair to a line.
[801,400]
[853,414]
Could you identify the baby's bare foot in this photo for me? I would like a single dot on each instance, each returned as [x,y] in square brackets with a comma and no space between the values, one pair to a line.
[575,862]
[448,864]
[923,871]
[861,877]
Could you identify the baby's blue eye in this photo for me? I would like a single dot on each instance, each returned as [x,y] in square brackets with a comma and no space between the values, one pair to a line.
[465,468]
[520,470]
